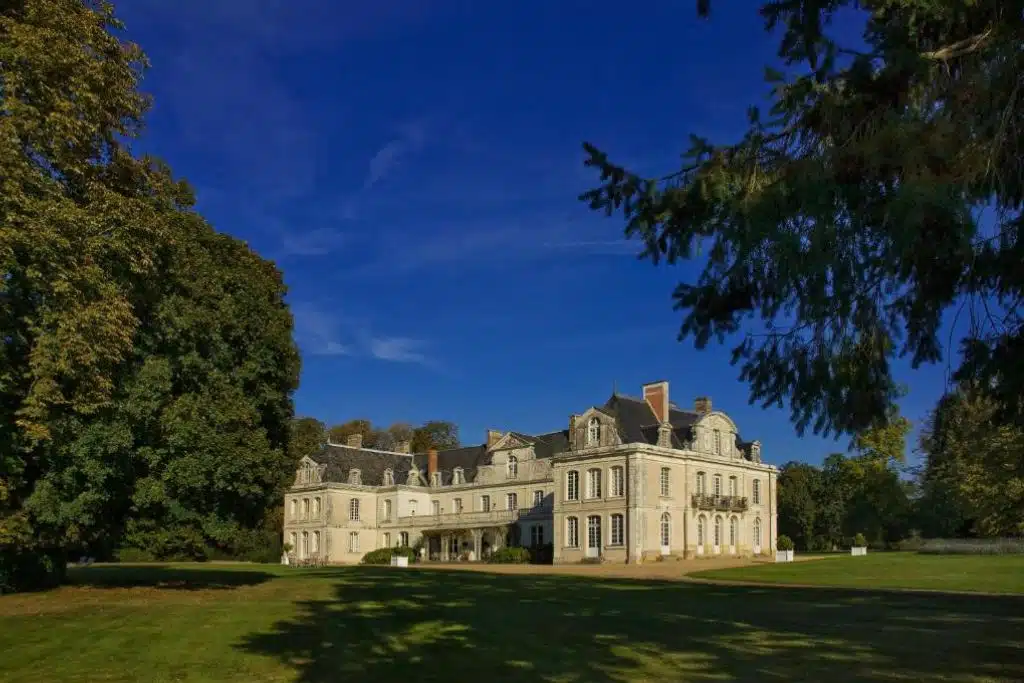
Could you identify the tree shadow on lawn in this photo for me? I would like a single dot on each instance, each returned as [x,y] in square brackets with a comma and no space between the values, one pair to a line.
[161,576]
[395,625]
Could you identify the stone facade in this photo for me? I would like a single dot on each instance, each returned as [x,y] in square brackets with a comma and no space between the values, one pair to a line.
[633,480]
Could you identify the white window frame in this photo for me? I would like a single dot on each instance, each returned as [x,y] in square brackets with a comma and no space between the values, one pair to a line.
[413,506]
[734,532]
[403,539]
[485,503]
[618,530]
[572,485]
[702,483]
[665,481]
[512,467]
[386,541]
[572,532]
[388,510]
[594,432]
[353,542]
[665,531]
[594,477]
[511,501]
[733,486]
[457,502]
[353,509]
[538,498]
[435,507]
[617,485]
[458,476]
[718,441]
[595,535]
[305,508]
[717,484]
[756,492]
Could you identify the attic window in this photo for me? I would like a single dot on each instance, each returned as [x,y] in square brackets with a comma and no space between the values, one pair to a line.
[354,477]
[593,432]
[458,476]
[389,478]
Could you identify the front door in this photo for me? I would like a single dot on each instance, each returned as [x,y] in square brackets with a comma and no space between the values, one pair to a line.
[593,536]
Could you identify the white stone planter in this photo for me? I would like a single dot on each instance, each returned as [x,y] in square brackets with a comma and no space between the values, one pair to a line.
[858,551]
[399,561]
[783,555]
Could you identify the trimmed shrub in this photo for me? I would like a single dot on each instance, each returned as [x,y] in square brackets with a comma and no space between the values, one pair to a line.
[859,541]
[31,570]
[133,555]
[784,543]
[384,555]
[973,546]
[510,556]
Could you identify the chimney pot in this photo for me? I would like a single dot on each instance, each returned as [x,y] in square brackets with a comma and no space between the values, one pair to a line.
[431,463]
[656,395]
[354,440]
[702,405]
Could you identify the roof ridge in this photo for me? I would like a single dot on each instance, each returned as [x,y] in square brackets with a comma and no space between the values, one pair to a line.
[366,450]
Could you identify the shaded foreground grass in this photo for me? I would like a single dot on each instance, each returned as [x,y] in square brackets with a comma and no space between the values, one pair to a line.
[250,623]
[980,573]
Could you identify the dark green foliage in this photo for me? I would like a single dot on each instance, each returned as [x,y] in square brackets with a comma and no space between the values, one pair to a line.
[435,434]
[784,543]
[384,555]
[31,570]
[881,189]
[542,554]
[307,436]
[859,541]
[509,555]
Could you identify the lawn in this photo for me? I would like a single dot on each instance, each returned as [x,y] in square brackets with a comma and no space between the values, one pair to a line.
[250,623]
[980,573]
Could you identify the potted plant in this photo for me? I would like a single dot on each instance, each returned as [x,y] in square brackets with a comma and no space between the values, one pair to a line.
[784,549]
[860,545]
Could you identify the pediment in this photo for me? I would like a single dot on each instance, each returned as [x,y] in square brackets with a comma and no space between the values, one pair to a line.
[511,441]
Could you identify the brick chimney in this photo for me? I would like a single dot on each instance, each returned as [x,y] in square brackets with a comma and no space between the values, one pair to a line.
[354,440]
[656,395]
[702,405]
[493,437]
[431,464]
[403,446]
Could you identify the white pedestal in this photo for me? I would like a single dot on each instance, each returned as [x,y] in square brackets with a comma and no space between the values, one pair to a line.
[783,555]
[858,551]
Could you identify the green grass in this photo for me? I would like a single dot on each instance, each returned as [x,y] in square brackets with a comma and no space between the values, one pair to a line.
[976,573]
[249,623]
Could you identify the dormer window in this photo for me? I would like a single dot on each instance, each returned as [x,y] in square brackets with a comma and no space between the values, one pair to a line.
[354,477]
[513,467]
[594,432]
[718,442]
[389,478]
[458,476]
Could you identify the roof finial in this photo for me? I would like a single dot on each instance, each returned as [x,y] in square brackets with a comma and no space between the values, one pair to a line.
[615,388]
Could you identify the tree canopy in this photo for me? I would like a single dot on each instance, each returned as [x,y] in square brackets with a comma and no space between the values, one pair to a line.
[147,361]
[880,189]
[438,434]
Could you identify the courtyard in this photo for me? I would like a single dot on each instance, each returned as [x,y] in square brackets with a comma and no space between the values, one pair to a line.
[234,622]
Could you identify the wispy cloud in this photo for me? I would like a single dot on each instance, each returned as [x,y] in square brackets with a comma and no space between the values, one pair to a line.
[388,157]
[318,333]
[322,333]
[397,349]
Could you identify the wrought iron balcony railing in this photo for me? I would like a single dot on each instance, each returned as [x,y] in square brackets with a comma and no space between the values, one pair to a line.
[475,518]
[722,503]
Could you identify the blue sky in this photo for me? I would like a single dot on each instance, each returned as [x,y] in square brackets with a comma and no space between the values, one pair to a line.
[413,168]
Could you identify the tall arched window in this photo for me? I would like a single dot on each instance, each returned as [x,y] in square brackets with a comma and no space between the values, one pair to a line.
[700,530]
[594,483]
[293,542]
[304,551]
[387,510]
[666,529]
[316,508]
[513,467]
[316,542]
[718,531]
[701,483]
[389,478]
[757,532]
[757,492]
[353,509]
[734,531]
[572,485]
[718,485]
[594,432]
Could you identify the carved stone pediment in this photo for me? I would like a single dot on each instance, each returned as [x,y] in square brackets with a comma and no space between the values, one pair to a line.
[509,442]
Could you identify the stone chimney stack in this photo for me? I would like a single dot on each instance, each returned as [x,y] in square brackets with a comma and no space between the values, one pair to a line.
[702,405]
[572,432]
[354,440]
[431,463]
[403,446]
[493,437]
[656,395]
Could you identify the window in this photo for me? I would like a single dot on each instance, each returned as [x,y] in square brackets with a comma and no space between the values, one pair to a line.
[412,508]
[538,498]
[353,542]
[734,531]
[295,508]
[403,539]
[353,509]
[293,542]
[594,531]
[435,507]
[387,510]
[513,467]
[701,484]
[572,485]
[572,532]
[618,530]
[700,530]
[387,541]
[316,508]
[757,492]
[354,477]
[305,544]
[666,530]
[718,531]
[718,484]
[618,483]
[458,477]
[594,483]
[511,501]
[305,508]
[435,479]
[718,442]
[665,473]
[732,486]
[389,478]
[458,504]
[594,432]
[537,535]
[316,542]
[757,532]
[485,503]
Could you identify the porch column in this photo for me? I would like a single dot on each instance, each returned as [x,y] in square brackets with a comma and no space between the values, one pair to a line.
[445,541]
[477,542]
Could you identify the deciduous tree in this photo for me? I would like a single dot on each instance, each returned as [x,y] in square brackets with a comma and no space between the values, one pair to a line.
[435,434]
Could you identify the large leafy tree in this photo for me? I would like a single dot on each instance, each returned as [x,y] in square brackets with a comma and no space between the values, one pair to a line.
[439,434]
[881,188]
[146,362]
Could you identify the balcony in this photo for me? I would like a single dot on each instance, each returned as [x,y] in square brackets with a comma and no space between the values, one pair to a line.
[468,520]
[720,503]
